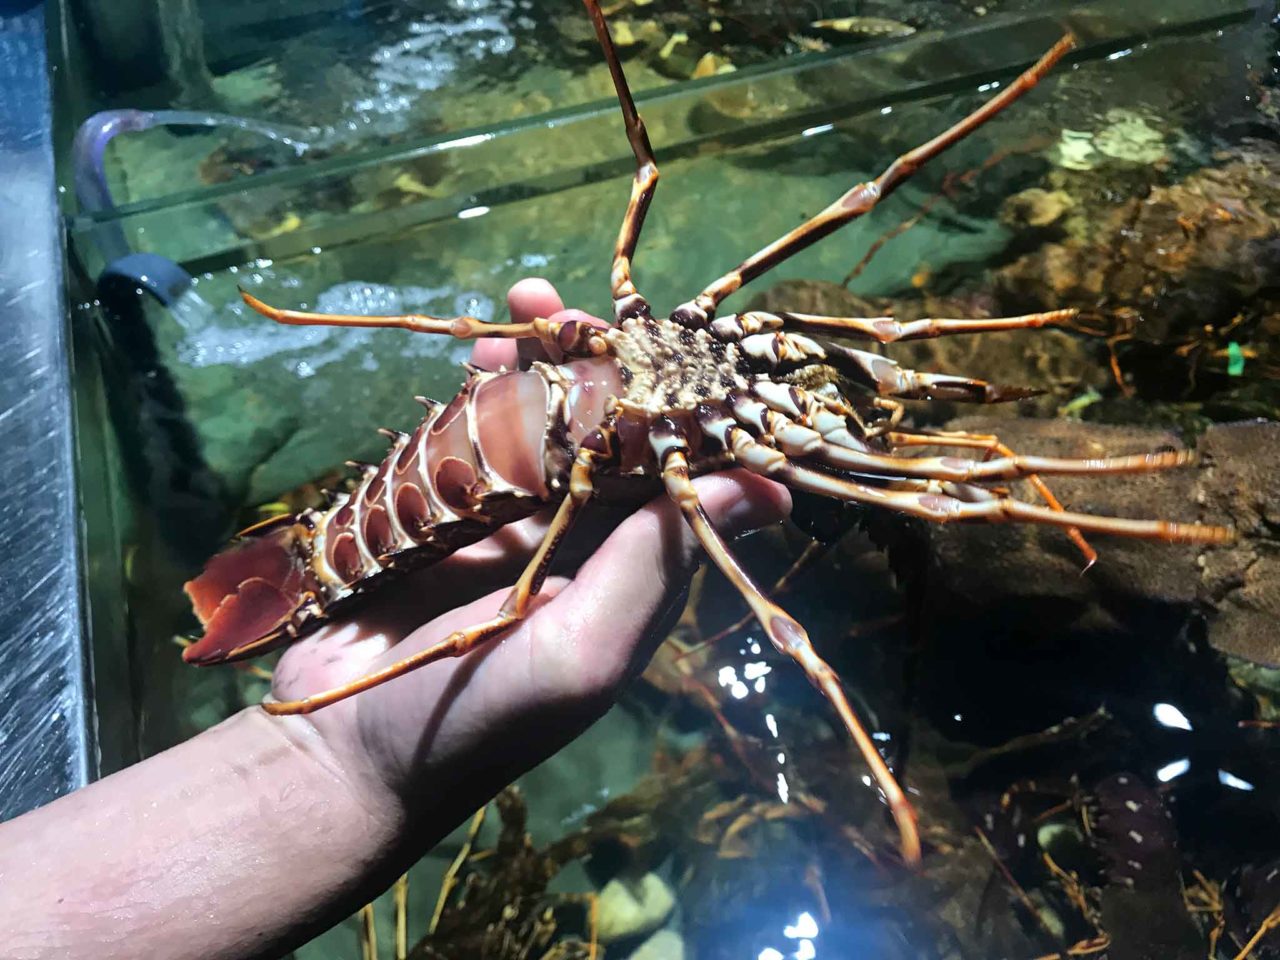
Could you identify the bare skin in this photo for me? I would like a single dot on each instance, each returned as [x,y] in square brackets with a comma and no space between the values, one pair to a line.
[254,836]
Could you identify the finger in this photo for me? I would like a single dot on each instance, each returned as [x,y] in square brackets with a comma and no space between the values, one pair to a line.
[604,621]
[593,631]
[525,695]
[528,299]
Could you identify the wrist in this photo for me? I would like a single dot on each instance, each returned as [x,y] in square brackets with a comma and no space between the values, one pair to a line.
[323,758]
[242,842]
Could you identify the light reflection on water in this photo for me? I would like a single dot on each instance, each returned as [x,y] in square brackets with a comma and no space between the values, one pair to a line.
[804,930]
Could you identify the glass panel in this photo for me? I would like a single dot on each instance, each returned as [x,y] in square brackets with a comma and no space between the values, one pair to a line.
[343,76]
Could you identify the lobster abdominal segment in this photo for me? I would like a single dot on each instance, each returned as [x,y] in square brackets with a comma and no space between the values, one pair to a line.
[498,452]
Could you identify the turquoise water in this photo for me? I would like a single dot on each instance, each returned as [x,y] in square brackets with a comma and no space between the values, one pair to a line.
[206,412]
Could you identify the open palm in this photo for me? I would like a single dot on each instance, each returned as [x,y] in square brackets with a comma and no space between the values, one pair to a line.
[459,729]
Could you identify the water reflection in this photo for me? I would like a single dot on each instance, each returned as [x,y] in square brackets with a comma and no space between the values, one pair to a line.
[804,930]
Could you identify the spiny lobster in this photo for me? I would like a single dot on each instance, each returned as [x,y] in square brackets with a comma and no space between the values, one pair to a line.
[644,400]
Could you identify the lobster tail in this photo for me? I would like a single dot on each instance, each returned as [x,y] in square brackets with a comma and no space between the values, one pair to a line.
[495,454]
[248,595]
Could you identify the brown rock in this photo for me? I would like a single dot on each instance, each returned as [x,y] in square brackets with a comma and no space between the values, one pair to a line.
[1038,563]
[1190,262]
[1035,208]
[1241,484]
[1030,575]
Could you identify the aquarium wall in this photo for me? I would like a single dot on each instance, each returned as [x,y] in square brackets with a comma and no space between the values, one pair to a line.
[46,714]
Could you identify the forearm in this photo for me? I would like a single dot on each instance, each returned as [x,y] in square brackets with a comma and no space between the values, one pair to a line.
[238,843]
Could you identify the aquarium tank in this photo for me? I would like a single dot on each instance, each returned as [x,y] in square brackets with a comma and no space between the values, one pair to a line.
[1092,756]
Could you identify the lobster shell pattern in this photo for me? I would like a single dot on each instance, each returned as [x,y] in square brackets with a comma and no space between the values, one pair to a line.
[497,453]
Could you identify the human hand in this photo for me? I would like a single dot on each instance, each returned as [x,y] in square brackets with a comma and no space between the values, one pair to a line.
[454,732]
[252,837]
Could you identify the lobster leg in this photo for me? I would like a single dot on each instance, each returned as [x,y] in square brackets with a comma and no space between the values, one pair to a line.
[888,378]
[797,441]
[627,301]
[942,508]
[828,419]
[570,336]
[514,609]
[787,635]
[882,329]
[863,197]
[885,376]
[811,554]
[991,443]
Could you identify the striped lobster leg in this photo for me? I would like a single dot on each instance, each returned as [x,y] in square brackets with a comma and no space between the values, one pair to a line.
[942,507]
[882,329]
[571,337]
[862,198]
[888,379]
[627,301]
[672,450]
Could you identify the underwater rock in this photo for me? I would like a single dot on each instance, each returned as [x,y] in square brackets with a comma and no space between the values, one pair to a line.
[633,907]
[249,88]
[663,945]
[678,57]
[1075,150]
[1127,136]
[711,64]
[1215,226]
[1177,272]
[1036,208]
[1023,580]
[1242,581]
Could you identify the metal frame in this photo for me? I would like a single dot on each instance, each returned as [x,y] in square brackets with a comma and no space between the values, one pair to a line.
[45,711]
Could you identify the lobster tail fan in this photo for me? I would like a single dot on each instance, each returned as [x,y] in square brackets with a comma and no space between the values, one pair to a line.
[247,595]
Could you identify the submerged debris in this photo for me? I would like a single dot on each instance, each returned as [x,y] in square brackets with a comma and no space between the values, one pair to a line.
[1143,906]
[495,904]
[864,27]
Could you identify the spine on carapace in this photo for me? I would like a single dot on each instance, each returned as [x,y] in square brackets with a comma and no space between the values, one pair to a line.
[498,452]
